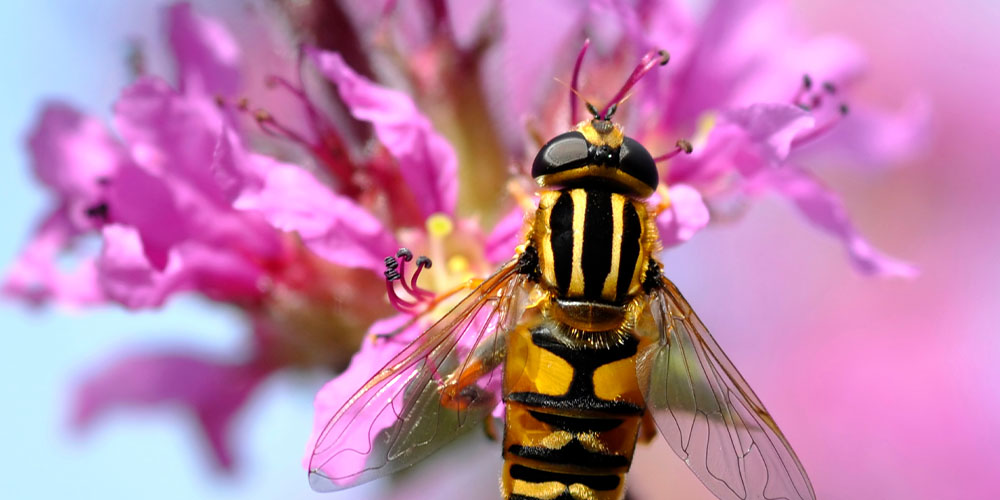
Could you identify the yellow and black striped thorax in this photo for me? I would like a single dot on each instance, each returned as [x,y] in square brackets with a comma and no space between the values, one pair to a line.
[592,244]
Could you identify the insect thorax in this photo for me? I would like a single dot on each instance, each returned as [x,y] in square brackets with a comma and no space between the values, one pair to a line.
[593,248]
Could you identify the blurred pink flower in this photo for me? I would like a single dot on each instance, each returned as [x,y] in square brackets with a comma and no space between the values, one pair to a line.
[182,205]
[368,159]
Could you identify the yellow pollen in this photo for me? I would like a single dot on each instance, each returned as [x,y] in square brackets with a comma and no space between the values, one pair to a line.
[706,122]
[439,225]
[458,264]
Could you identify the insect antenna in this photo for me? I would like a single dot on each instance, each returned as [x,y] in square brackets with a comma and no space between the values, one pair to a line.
[574,93]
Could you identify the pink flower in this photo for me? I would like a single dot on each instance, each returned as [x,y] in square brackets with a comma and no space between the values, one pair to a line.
[399,125]
[182,205]
[735,89]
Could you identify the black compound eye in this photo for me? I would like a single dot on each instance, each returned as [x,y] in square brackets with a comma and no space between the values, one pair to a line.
[563,152]
[636,161]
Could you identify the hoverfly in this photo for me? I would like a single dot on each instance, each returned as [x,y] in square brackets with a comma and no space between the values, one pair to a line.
[588,346]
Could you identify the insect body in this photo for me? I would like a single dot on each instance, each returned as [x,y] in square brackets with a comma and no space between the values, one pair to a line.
[594,347]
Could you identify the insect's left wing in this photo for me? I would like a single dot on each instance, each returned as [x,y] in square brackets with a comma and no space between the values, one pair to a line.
[707,412]
[397,418]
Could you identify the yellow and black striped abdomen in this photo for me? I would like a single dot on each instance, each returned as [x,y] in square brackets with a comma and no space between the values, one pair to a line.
[573,411]
[591,244]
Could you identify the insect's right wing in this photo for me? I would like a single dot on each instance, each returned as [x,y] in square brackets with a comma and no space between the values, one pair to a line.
[707,412]
[397,418]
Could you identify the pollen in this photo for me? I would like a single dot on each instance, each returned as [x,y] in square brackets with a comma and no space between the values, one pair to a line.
[439,226]
[458,264]
[706,122]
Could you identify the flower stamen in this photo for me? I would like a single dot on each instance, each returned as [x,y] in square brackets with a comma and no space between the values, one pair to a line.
[821,129]
[574,83]
[396,271]
[683,146]
[651,60]
[812,100]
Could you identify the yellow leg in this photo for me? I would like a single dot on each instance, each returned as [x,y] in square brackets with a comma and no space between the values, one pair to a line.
[664,200]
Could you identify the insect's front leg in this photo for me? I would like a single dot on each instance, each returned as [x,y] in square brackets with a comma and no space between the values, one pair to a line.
[460,390]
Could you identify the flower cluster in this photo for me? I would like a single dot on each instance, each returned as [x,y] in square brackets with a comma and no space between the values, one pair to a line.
[400,123]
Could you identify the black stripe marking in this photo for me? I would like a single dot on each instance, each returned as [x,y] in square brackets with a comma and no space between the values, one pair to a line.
[585,403]
[629,256]
[561,238]
[597,240]
[576,425]
[564,496]
[595,482]
[580,395]
[572,454]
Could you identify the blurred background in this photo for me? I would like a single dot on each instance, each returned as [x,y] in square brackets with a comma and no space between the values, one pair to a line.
[886,388]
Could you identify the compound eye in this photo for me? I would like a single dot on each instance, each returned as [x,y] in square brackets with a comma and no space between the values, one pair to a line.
[636,161]
[565,151]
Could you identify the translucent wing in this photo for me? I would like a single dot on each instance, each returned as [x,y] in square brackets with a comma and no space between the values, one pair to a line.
[357,445]
[709,415]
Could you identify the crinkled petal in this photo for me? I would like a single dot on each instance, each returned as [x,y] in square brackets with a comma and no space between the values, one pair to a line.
[686,215]
[35,276]
[144,202]
[332,226]
[825,210]
[506,235]
[188,158]
[426,160]
[127,277]
[374,354]
[170,134]
[207,54]
[742,141]
[770,126]
[214,391]
[75,156]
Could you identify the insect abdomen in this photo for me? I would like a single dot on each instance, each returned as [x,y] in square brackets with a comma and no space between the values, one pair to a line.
[573,411]
[591,244]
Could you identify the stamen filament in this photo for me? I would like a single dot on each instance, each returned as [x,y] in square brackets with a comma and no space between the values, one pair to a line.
[574,114]
[422,263]
[649,61]
[396,271]
[803,89]
[820,130]
[682,146]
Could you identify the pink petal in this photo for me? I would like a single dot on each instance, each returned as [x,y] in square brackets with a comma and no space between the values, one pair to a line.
[207,54]
[686,215]
[426,160]
[466,20]
[213,391]
[145,202]
[169,134]
[825,210]
[127,277]
[744,141]
[189,171]
[74,155]
[871,138]
[831,59]
[735,41]
[374,354]
[772,127]
[332,226]
[36,276]
[506,235]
